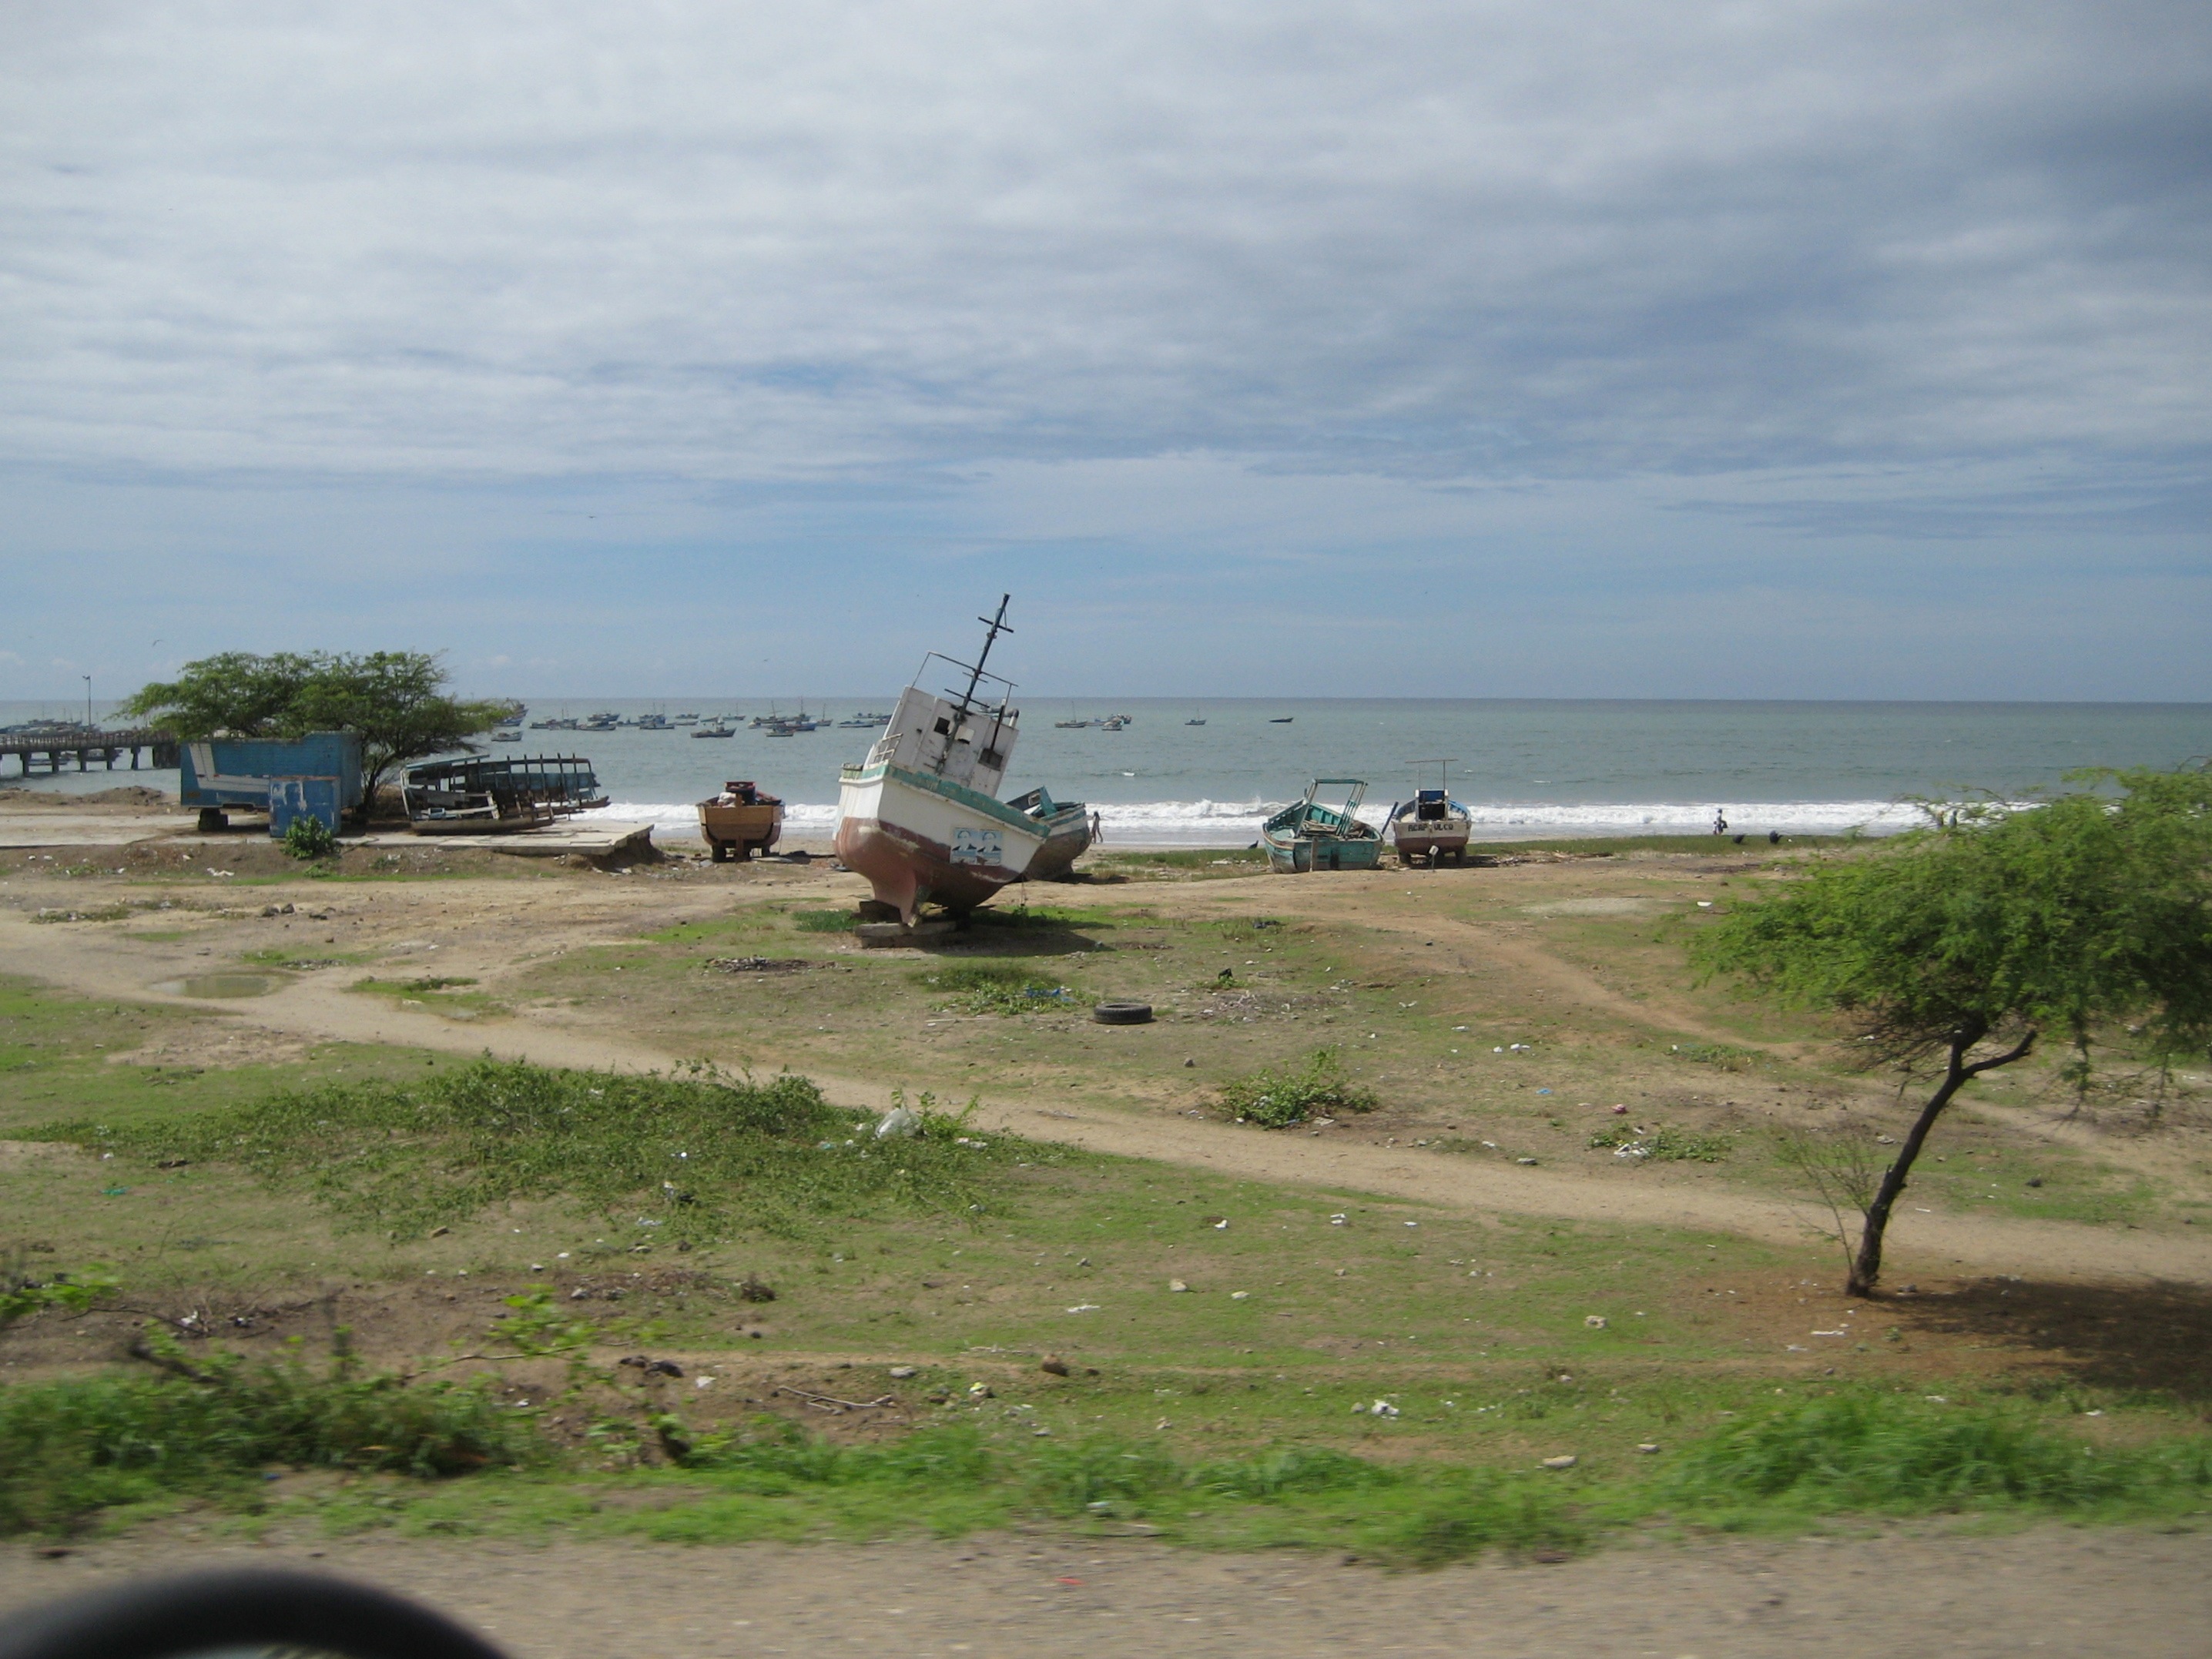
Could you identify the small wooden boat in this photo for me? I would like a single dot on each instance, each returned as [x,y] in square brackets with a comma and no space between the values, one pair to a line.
[1309,835]
[1280,720]
[1069,830]
[1431,826]
[714,729]
[741,821]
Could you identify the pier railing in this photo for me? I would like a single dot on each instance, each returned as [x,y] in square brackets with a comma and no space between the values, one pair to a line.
[51,750]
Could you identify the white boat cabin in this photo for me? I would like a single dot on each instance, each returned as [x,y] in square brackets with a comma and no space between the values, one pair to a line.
[928,733]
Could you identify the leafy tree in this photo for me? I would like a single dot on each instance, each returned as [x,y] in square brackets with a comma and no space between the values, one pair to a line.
[396,700]
[1958,948]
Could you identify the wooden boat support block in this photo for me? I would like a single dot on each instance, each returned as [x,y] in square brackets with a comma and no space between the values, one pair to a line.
[890,935]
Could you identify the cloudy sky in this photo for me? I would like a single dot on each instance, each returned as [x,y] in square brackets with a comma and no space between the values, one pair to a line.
[1506,349]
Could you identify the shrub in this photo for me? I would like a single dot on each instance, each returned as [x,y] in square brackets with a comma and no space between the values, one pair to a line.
[1276,1099]
[308,837]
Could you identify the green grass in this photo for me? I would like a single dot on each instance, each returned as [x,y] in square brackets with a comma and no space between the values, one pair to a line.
[1204,861]
[120,1444]
[447,993]
[993,988]
[70,1450]
[1725,1056]
[1666,1145]
[1603,846]
[681,1159]
[302,958]
[1865,1451]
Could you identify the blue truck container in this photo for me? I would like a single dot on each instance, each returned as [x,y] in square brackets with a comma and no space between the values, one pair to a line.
[291,798]
[220,774]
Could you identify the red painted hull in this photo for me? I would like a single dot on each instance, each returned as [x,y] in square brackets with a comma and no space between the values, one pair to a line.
[907,870]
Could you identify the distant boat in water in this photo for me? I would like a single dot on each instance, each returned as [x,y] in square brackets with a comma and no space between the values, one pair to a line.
[1280,720]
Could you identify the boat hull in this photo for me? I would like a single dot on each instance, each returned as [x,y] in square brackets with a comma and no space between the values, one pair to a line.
[1068,836]
[1296,854]
[742,831]
[921,839]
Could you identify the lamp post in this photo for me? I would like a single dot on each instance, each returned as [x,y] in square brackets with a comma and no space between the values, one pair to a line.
[86,679]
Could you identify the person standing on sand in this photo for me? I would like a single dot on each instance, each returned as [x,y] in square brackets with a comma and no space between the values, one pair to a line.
[1719,821]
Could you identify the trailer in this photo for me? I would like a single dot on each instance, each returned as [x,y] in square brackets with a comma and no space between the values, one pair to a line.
[223,776]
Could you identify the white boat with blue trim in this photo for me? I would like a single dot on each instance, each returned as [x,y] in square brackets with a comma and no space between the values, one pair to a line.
[921,816]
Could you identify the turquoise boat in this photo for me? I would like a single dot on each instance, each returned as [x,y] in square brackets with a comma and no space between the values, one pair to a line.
[1309,835]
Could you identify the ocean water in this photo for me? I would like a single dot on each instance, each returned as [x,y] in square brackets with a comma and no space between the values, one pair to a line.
[1526,767]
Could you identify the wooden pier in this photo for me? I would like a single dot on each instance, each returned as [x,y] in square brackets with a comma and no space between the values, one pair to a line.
[51,750]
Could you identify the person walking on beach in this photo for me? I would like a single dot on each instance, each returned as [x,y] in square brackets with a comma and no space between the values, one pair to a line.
[1719,821]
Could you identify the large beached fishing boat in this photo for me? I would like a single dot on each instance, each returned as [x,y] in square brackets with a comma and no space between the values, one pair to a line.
[921,818]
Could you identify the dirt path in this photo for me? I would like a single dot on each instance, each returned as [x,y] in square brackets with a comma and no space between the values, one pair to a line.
[314,1008]
[2057,1590]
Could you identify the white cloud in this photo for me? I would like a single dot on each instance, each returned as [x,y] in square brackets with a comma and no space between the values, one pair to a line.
[1439,240]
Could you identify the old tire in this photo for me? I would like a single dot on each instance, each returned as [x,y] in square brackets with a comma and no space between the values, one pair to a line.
[1123,1014]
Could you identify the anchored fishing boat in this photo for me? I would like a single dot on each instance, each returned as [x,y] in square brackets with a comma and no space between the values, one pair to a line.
[1432,825]
[921,818]
[1309,836]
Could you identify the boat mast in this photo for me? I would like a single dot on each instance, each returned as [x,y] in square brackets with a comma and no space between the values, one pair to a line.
[997,625]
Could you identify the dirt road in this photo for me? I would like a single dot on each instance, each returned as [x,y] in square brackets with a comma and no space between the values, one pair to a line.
[2114,1595]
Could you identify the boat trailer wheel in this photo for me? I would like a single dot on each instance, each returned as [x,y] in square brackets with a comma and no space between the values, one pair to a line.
[1123,1013]
[238,1610]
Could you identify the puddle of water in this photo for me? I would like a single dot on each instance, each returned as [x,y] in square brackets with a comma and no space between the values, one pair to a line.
[219,985]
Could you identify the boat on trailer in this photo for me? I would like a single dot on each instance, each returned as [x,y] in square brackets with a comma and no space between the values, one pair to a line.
[1310,835]
[1431,826]
[921,818]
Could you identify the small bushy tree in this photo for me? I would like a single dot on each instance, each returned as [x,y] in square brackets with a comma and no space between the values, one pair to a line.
[1957,949]
[396,700]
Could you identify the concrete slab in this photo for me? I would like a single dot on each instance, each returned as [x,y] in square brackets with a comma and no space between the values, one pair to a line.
[41,828]
[595,840]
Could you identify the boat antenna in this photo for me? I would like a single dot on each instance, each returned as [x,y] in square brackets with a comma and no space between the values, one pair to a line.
[997,625]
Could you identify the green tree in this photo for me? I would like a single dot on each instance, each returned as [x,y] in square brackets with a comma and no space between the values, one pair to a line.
[1956,950]
[396,700]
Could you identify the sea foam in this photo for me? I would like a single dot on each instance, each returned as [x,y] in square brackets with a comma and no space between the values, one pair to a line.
[1236,823]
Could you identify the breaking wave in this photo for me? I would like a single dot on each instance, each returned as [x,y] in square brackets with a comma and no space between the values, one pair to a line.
[1234,823]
